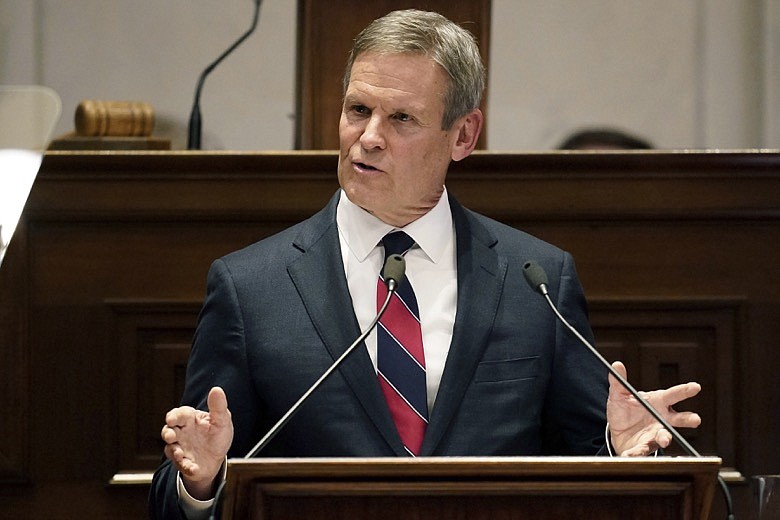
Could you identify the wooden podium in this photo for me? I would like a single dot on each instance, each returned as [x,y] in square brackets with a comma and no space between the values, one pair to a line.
[496,488]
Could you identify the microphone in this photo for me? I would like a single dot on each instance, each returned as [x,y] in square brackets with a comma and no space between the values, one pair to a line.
[393,272]
[537,279]
[193,138]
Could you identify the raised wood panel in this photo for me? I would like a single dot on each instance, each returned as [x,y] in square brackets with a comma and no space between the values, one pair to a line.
[480,501]
[676,252]
[326,31]
[665,343]
[153,342]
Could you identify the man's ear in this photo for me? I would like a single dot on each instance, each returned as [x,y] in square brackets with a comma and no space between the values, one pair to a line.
[469,128]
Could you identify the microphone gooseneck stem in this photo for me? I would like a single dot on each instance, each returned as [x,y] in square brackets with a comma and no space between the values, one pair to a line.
[262,443]
[622,380]
[394,271]
[625,384]
[194,131]
[537,279]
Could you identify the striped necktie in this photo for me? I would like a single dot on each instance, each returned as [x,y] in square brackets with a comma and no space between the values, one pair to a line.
[400,356]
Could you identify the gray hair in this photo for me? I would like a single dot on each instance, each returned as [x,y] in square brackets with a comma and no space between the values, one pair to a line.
[430,34]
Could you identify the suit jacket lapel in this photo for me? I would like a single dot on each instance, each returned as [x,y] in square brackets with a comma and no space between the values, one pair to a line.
[318,274]
[481,274]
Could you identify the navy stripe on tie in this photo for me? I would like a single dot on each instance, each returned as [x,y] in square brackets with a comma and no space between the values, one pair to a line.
[404,373]
[405,293]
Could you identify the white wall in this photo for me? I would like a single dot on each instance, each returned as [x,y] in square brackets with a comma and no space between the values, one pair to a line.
[154,51]
[682,73]
[770,107]
[564,64]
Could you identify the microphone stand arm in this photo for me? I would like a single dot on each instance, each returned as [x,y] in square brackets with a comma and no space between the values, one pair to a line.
[262,443]
[193,138]
[675,434]
[625,384]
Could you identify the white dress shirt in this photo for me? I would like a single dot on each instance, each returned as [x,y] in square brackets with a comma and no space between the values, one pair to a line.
[430,268]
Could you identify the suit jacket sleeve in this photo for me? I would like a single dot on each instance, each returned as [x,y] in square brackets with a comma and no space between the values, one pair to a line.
[576,401]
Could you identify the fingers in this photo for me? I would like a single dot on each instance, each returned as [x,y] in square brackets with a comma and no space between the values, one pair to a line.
[180,416]
[663,399]
[663,438]
[176,453]
[175,420]
[678,393]
[197,441]
[184,416]
[184,464]
[686,420]
[637,451]
[168,434]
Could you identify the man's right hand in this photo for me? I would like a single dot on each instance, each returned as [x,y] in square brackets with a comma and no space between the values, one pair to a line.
[197,442]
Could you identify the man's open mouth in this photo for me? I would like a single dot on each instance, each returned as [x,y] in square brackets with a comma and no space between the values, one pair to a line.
[366,167]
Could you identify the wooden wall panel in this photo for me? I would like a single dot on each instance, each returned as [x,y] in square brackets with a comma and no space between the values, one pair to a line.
[101,286]
[664,343]
[152,343]
[326,32]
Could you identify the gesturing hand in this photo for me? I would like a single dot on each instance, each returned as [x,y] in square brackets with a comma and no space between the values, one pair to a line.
[197,442]
[634,432]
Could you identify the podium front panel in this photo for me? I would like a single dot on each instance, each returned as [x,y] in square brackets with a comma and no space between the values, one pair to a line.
[471,488]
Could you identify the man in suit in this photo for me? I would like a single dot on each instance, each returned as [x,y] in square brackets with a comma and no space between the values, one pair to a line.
[501,376]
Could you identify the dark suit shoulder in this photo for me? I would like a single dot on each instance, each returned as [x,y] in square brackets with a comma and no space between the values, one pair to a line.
[283,247]
[506,240]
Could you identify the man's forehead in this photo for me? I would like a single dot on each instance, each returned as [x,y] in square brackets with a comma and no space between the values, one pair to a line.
[400,75]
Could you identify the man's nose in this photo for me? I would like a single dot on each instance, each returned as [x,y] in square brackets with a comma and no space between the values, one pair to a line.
[373,136]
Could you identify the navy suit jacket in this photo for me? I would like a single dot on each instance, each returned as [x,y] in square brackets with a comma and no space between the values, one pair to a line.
[278,313]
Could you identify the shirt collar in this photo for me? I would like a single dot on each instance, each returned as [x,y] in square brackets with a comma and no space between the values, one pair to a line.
[362,231]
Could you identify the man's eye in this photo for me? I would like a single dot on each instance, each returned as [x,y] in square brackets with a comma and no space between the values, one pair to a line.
[360,109]
[403,117]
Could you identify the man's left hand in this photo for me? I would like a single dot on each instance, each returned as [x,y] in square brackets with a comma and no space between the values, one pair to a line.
[636,433]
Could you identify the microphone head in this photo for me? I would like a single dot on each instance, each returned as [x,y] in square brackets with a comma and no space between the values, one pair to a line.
[535,276]
[394,269]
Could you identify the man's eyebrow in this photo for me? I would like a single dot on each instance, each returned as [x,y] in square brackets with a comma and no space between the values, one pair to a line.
[352,98]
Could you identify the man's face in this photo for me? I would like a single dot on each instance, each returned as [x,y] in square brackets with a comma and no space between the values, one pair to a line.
[394,155]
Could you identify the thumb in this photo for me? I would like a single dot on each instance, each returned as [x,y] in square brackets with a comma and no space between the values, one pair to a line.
[217,403]
[620,368]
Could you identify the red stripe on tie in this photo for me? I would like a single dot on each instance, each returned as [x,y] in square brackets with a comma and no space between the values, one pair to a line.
[401,324]
[411,427]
